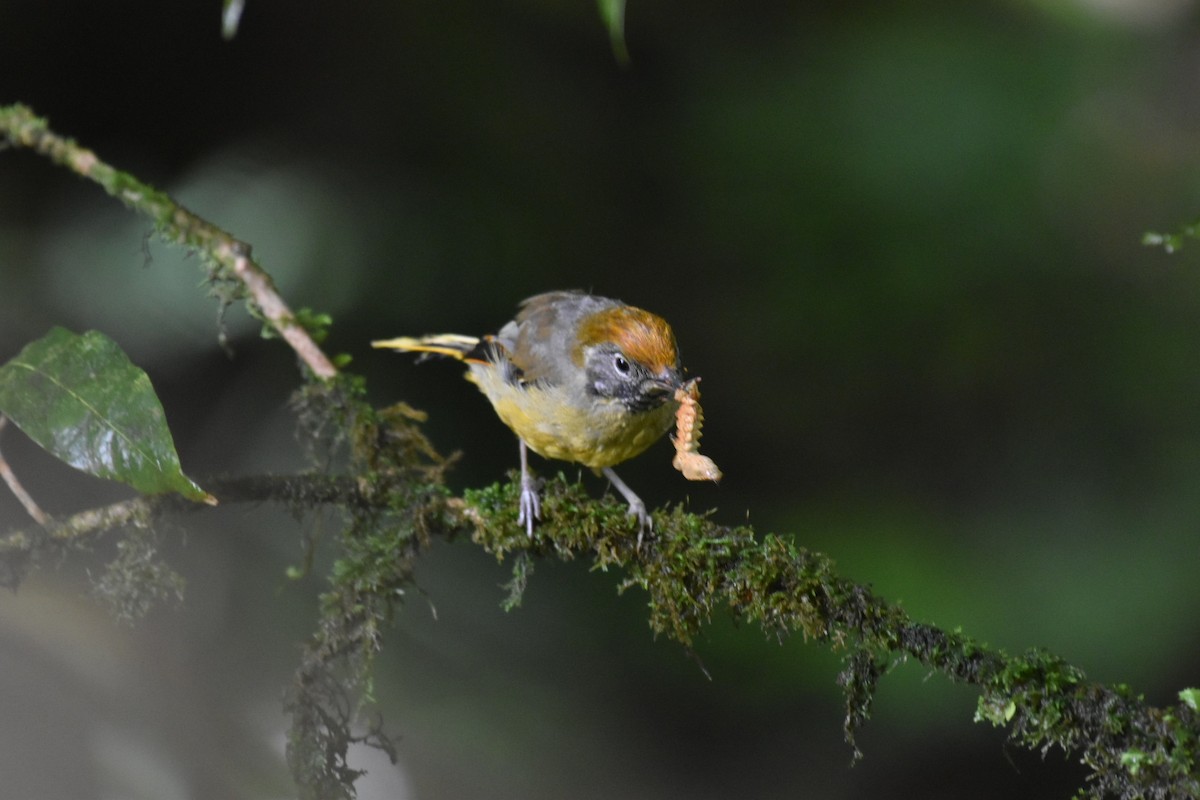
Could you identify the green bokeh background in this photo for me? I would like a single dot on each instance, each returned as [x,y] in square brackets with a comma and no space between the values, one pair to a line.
[900,242]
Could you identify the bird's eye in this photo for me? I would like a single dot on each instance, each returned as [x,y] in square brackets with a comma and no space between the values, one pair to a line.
[621,364]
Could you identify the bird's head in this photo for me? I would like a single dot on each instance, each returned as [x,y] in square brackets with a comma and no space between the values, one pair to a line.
[629,355]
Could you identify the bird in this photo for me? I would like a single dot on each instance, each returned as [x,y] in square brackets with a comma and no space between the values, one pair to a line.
[576,377]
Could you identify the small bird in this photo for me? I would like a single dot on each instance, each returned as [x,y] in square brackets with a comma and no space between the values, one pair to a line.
[577,378]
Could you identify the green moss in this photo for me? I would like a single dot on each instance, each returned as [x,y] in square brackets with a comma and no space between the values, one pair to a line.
[690,567]
[400,481]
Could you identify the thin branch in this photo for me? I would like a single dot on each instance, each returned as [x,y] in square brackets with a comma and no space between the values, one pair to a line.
[303,491]
[14,485]
[22,128]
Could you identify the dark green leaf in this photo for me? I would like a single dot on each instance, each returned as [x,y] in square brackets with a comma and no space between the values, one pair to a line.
[83,400]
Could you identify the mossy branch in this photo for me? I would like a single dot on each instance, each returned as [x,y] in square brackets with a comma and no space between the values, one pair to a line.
[227,258]
[691,568]
[694,566]
[82,529]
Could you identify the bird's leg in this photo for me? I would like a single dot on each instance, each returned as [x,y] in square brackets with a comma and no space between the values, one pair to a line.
[636,507]
[531,506]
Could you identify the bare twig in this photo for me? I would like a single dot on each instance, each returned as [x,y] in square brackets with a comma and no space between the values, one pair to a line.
[10,477]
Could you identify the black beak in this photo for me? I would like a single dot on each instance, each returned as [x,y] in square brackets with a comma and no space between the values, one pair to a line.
[665,382]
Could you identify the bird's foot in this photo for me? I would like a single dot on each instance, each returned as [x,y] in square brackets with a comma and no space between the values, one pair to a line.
[644,522]
[530,505]
[636,507]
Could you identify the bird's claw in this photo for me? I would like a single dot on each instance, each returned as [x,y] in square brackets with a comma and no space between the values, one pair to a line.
[530,505]
[644,522]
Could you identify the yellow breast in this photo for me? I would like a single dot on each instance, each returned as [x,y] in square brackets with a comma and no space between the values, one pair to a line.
[600,434]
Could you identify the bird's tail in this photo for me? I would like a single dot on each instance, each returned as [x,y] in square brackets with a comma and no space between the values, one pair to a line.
[456,346]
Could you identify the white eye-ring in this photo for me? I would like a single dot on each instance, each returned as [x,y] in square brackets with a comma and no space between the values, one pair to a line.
[621,364]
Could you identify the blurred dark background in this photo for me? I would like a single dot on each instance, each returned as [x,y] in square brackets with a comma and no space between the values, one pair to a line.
[901,244]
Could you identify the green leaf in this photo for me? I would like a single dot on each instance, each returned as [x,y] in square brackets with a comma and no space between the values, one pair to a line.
[612,12]
[1191,697]
[83,400]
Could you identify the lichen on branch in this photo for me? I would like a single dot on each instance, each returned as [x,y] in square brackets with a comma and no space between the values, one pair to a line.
[231,271]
